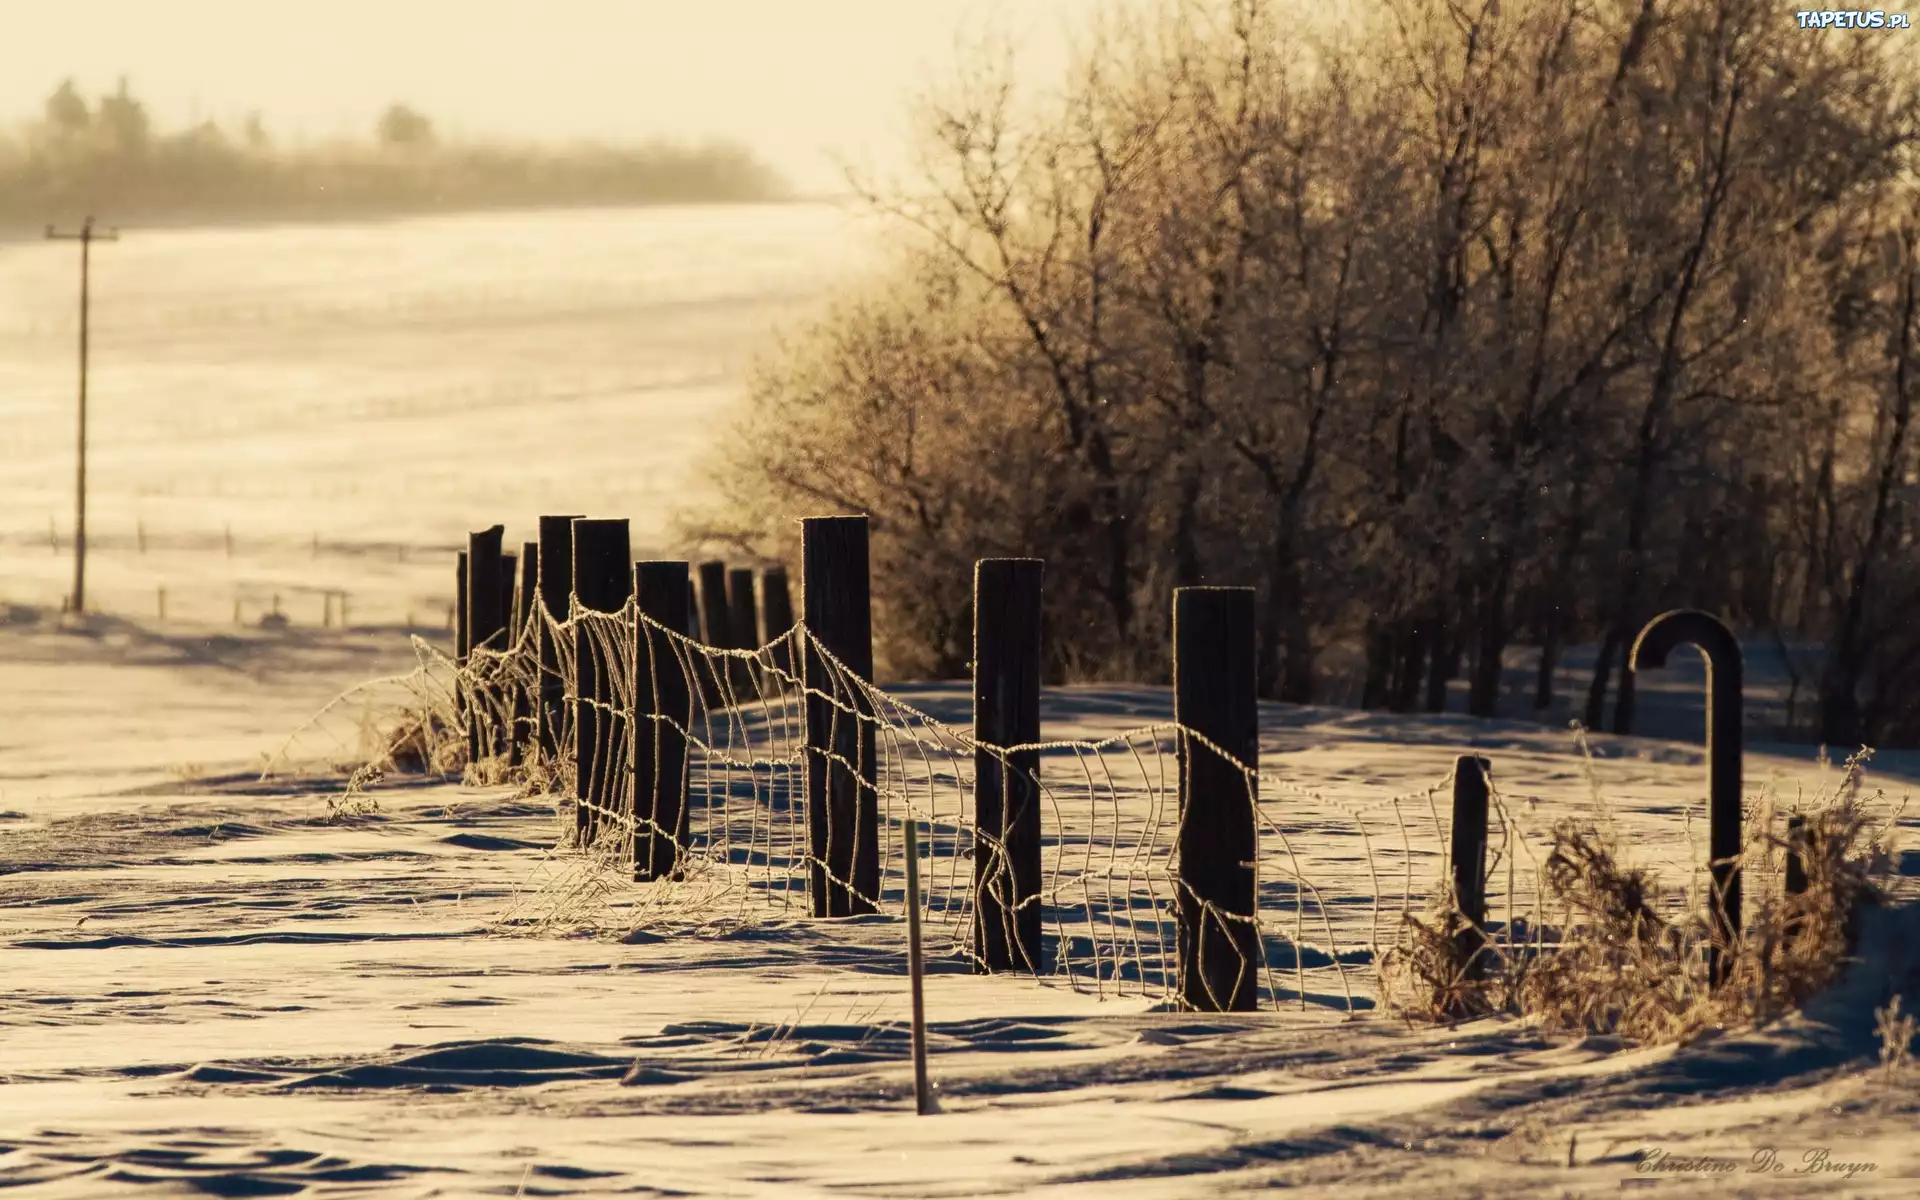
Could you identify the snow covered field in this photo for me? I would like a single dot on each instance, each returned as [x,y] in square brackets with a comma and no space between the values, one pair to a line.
[211,986]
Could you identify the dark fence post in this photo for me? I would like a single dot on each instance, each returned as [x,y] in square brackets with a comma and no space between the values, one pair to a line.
[1006,793]
[525,692]
[1217,947]
[843,812]
[1469,857]
[716,631]
[663,711]
[776,620]
[460,647]
[556,585]
[714,625]
[693,612]
[486,619]
[1724,682]
[602,583]
[743,631]
[741,611]
[509,608]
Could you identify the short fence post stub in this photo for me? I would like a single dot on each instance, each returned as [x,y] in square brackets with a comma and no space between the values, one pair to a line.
[1725,673]
[556,585]
[1006,796]
[663,712]
[602,583]
[486,623]
[1468,858]
[843,814]
[525,692]
[1217,947]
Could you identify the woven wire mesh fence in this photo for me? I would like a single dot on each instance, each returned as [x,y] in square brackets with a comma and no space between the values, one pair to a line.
[684,767]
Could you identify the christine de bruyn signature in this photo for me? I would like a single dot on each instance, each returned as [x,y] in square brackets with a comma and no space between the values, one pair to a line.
[1765,1161]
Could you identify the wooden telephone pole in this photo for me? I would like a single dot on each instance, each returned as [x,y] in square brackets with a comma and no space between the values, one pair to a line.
[86,237]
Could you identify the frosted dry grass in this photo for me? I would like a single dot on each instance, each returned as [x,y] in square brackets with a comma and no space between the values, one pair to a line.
[1628,954]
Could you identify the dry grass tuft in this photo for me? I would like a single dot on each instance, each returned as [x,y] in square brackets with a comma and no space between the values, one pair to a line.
[1896,1037]
[1631,959]
[1437,970]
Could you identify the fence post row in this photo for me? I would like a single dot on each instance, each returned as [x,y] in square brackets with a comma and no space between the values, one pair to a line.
[486,618]
[843,823]
[556,585]
[1724,717]
[1217,945]
[1006,797]
[602,583]
[1468,858]
[663,711]
[525,692]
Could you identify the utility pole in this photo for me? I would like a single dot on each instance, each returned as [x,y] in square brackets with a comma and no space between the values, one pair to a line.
[86,237]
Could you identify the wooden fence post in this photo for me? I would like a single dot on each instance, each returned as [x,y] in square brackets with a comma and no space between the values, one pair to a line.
[843,813]
[693,612]
[1469,857]
[776,620]
[486,622]
[716,630]
[1006,793]
[714,623]
[1724,719]
[742,614]
[529,633]
[663,711]
[602,583]
[461,708]
[743,632]
[1217,947]
[556,585]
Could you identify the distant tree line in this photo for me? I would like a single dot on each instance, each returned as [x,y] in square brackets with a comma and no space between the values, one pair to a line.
[106,157]
[1467,324]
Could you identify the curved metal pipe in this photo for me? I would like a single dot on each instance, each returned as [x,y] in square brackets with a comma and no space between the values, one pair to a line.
[1724,681]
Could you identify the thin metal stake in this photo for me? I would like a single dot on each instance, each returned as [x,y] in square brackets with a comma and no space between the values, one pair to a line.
[922,1096]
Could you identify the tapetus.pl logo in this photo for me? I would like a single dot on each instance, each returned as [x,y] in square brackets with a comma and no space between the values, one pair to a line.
[1829,18]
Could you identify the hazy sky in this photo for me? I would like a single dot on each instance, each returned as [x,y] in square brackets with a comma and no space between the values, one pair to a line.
[794,78]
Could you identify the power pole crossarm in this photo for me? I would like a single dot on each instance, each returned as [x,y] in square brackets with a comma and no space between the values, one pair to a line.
[86,237]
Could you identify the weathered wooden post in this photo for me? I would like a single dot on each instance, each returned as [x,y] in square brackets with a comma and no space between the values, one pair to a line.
[693,612]
[509,607]
[530,633]
[716,630]
[743,631]
[776,620]
[1006,791]
[602,583]
[1796,880]
[1724,681]
[1469,858]
[843,812]
[742,613]
[461,707]
[486,624]
[556,585]
[714,622]
[663,711]
[1217,945]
